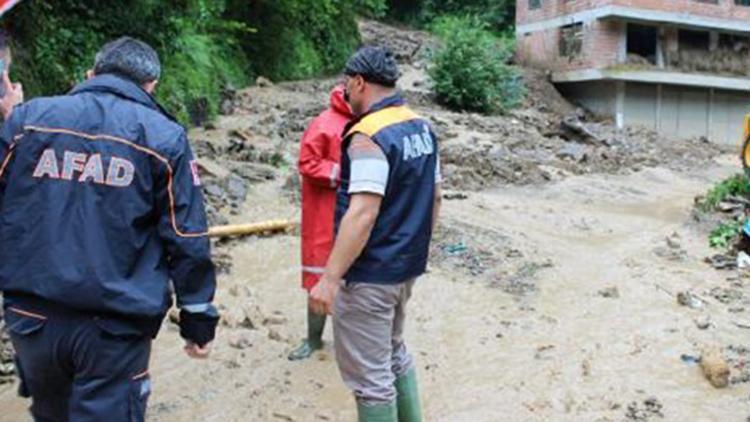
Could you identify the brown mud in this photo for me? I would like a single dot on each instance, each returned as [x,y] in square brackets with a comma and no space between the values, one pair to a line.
[552,289]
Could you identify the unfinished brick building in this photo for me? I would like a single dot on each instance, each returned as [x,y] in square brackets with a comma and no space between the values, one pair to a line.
[678,66]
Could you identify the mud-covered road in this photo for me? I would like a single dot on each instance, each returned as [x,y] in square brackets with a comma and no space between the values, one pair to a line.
[552,288]
[575,319]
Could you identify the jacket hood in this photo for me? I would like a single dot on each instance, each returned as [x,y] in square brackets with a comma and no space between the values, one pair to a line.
[339,104]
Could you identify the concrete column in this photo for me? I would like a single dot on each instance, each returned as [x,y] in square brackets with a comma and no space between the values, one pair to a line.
[622,51]
[620,104]
[710,113]
[660,47]
[659,92]
[713,43]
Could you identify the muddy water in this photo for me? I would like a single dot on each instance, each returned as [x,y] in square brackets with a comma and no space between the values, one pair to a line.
[575,355]
[561,353]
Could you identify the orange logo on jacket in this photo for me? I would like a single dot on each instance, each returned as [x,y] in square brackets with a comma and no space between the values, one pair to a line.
[84,168]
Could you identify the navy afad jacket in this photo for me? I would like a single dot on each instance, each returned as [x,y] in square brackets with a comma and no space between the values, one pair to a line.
[101,207]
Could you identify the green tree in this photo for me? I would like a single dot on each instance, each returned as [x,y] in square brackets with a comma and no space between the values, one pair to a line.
[499,15]
[298,38]
[470,71]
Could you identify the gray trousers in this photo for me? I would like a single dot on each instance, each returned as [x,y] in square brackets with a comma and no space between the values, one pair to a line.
[368,326]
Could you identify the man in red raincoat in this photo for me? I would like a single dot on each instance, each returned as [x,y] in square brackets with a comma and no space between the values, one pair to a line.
[319,156]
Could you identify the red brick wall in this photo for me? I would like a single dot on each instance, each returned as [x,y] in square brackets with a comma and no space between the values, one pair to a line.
[554,8]
[601,43]
[726,9]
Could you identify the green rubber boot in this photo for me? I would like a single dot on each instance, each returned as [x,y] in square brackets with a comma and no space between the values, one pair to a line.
[378,413]
[409,408]
[314,341]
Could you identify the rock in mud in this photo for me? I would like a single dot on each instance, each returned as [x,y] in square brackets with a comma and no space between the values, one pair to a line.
[715,369]
[726,295]
[7,366]
[648,410]
[722,262]
[610,293]
[450,196]
[702,322]
[213,191]
[673,241]
[274,335]
[240,341]
[236,188]
[283,417]
[573,151]
[690,300]
[239,318]
[738,358]
[275,319]
[263,82]
[221,259]
[670,252]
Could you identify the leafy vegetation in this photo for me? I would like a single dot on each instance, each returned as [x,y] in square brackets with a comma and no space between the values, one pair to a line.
[497,15]
[724,235]
[204,44]
[55,43]
[737,185]
[300,38]
[471,71]
[208,44]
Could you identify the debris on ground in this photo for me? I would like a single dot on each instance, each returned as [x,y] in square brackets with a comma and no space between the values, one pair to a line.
[248,158]
[691,360]
[647,410]
[722,261]
[7,366]
[702,322]
[463,248]
[738,359]
[715,368]
[543,139]
[689,299]
[610,293]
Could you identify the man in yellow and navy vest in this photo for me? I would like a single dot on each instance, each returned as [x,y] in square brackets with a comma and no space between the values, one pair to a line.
[387,206]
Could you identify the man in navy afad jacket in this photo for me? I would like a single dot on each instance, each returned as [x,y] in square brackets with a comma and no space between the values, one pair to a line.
[100,208]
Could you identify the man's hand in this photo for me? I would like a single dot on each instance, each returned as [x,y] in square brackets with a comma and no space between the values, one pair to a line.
[197,352]
[13,96]
[323,295]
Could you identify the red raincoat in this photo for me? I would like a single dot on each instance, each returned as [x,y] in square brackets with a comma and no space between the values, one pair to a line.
[319,156]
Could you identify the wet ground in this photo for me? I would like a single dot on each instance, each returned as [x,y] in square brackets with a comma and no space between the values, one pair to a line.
[572,317]
[551,295]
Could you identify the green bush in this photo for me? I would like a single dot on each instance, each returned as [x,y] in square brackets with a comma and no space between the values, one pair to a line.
[498,15]
[724,235]
[736,185]
[470,70]
[371,8]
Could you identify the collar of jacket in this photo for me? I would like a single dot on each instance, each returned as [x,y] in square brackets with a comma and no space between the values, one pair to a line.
[394,100]
[122,87]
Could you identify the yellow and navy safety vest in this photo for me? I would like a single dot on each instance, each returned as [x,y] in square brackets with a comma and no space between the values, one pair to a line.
[398,246]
